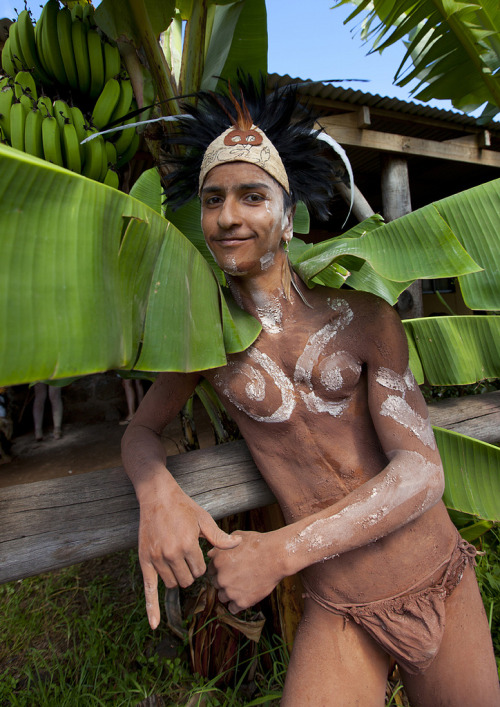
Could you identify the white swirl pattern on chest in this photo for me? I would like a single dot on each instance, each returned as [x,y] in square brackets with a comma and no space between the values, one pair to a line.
[310,357]
[330,374]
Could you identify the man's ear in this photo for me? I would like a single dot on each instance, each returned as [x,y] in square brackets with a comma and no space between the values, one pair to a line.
[289,221]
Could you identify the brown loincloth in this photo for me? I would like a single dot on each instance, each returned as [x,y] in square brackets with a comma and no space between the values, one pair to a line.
[408,626]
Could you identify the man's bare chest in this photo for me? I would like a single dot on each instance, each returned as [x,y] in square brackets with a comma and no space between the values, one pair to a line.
[311,365]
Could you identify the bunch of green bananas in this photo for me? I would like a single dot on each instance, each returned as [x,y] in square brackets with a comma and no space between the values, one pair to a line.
[64,54]
[54,131]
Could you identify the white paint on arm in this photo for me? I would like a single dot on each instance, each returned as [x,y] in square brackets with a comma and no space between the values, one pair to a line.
[403,414]
[408,487]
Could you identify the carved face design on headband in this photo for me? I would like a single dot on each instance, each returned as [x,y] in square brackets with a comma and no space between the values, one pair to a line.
[242,137]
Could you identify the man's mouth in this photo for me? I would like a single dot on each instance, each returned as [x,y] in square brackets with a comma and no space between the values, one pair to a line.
[230,239]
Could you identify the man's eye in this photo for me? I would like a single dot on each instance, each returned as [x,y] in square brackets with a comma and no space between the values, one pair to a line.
[212,200]
[255,198]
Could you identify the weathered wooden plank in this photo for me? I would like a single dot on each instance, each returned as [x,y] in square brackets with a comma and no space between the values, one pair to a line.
[406,145]
[50,524]
[474,415]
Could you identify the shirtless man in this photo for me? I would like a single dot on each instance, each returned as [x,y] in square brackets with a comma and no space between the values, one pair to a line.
[338,428]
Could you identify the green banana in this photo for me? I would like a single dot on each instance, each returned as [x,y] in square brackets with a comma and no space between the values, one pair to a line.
[130,151]
[26,39]
[18,114]
[81,50]
[64,36]
[111,155]
[45,106]
[125,137]
[6,98]
[33,143]
[7,62]
[38,42]
[96,59]
[51,139]
[15,48]
[50,42]
[80,123]
[106,103]
[62,113]
[126,96]
[104,162]
[71,148]
[94,150]
[77,12]
[88,15]
[112,61]
[112,179]
[25,89]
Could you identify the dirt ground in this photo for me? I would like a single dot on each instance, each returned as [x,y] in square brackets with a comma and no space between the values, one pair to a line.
[82,447]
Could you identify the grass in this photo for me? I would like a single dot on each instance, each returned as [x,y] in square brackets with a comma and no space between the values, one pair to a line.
[79,637]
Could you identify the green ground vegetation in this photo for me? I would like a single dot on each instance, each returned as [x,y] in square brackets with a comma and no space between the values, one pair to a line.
[79,637]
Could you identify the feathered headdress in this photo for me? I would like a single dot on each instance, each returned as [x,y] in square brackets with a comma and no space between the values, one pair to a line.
[242,115]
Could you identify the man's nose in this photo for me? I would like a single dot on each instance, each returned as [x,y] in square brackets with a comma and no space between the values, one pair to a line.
[229,214]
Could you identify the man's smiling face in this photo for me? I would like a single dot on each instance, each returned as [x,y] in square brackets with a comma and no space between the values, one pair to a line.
[242,217]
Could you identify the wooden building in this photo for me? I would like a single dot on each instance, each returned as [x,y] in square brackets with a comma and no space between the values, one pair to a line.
[404,156]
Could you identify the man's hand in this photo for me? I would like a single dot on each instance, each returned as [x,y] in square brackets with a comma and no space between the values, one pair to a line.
[248,572]
[169,532]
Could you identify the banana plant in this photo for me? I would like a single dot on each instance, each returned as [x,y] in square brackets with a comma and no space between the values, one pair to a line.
[188,45]
[454,47]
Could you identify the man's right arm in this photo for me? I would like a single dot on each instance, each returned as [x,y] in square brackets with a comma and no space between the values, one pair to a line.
[171,523]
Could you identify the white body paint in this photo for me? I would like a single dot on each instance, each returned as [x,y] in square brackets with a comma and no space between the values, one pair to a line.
[399,410]
[255,389]
[399,486]
[270,314]
[267,260]
[310,356]
[394,381]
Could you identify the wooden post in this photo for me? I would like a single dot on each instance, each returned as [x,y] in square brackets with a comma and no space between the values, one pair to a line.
[396,202]
[360,207]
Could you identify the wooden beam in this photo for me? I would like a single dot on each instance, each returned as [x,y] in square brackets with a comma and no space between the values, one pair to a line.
[404,145]
[51,524]
[476,416]
[395,114]
[480,140]
[353,119]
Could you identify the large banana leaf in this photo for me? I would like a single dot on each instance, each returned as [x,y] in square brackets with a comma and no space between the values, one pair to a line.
[454,350]
[474,218]
[81,263]
[427,241]
[454,46]
[472,474]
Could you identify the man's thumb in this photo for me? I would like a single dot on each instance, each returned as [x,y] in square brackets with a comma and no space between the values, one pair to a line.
[218,538]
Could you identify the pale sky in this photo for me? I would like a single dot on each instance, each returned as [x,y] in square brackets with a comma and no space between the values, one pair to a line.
[309,40]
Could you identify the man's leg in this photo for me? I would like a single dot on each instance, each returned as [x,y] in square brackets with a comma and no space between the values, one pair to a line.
[334,663]
[464,672]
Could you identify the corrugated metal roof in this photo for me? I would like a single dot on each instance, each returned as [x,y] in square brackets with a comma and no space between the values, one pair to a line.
[328,91]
